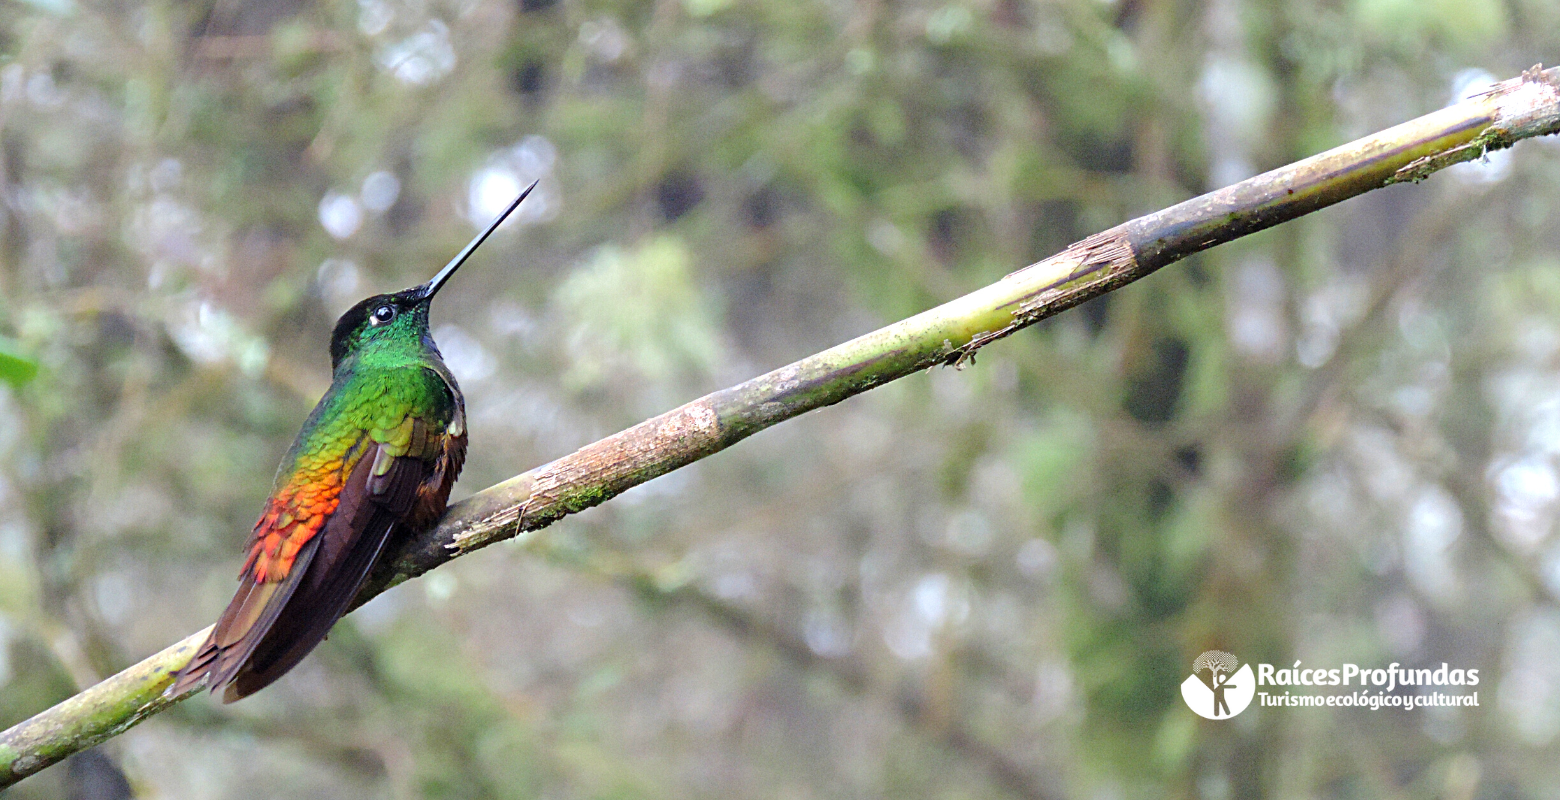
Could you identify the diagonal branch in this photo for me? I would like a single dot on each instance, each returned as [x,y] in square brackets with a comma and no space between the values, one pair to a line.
[950,334]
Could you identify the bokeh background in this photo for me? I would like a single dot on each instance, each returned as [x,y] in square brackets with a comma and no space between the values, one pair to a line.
[1333,442]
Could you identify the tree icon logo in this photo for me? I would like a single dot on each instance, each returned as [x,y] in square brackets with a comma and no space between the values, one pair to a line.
[1224,692]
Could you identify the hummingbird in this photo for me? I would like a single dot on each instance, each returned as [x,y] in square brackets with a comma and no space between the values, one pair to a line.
[374,462]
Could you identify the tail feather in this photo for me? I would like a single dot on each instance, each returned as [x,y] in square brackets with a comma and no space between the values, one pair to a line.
[247,618]
[321,601]
[371,510]
[252,617]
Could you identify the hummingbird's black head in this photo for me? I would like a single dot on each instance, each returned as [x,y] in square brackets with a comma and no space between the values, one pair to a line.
[385,321]
[394,327]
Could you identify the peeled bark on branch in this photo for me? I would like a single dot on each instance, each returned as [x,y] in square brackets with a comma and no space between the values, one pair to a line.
[949,334]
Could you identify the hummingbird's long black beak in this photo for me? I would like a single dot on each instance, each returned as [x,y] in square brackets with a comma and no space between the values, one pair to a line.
[432,287]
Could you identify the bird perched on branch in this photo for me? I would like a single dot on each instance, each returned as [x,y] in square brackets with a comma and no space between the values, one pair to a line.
[375,461]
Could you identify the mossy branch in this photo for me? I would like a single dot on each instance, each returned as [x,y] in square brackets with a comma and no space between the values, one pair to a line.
[950,334]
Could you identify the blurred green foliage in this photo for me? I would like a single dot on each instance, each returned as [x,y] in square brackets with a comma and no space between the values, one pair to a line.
[15,368]
[1333,442]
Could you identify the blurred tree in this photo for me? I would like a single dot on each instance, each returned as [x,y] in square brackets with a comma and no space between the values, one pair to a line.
[1332,442]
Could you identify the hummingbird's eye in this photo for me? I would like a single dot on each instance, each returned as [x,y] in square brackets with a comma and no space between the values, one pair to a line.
[382,314]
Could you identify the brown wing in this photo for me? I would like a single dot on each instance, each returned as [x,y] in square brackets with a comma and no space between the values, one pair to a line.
[270,626]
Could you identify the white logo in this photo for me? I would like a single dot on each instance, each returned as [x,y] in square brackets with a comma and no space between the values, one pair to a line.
[1225,692]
